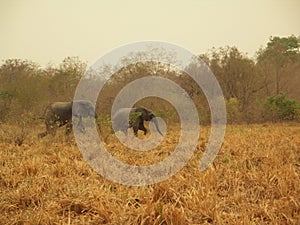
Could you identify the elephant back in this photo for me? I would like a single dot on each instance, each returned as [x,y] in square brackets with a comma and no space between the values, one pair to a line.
[83,108]
[62,110]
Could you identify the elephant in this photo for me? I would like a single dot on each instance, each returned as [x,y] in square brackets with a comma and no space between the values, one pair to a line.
[59,114]
[136,119]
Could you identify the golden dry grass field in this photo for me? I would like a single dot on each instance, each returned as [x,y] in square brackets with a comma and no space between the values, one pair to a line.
[253,180]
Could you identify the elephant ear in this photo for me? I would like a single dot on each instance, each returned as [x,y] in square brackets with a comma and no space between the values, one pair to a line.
[134,116]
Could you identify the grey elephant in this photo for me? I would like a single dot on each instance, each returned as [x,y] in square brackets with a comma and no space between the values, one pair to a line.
[136,119]
[59,114]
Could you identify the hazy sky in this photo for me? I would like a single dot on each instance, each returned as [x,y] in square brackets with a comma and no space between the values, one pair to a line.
[46,31]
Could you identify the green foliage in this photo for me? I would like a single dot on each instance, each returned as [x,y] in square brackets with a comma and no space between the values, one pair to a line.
[287,45]
[104,120]
[168,115]
[281,108]
[6,95]
[134,116]
[280,49]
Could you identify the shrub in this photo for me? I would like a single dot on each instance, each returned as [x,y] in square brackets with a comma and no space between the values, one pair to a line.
[5,101]
[280,108]
[233,110]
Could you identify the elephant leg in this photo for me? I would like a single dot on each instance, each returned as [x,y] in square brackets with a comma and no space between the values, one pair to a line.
[135,127]
[68,128]
[142,127]
[50,128]
[125,131]
[135,130]
[80,125]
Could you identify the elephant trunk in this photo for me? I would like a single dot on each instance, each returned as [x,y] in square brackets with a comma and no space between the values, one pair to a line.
[154,120]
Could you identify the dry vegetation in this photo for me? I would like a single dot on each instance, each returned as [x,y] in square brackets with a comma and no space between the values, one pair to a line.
[254,180]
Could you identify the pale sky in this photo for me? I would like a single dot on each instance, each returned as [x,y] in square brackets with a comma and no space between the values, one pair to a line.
[46,31]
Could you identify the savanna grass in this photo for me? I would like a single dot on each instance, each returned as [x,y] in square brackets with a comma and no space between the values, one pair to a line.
[254,180]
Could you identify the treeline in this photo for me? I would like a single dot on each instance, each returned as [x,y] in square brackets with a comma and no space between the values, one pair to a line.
[260,89]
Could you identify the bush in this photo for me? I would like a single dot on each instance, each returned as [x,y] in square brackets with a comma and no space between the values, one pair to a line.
[279,108]
[233,110]
[5,102]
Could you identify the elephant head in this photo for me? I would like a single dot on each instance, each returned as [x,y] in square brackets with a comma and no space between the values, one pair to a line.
[59,114]
[136,119]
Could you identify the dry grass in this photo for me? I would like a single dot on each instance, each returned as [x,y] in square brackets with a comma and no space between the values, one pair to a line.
[254,180]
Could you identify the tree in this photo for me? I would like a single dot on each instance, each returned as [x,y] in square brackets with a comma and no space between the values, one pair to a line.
[236,74]
[276,60]
[63,83]
[18,89]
